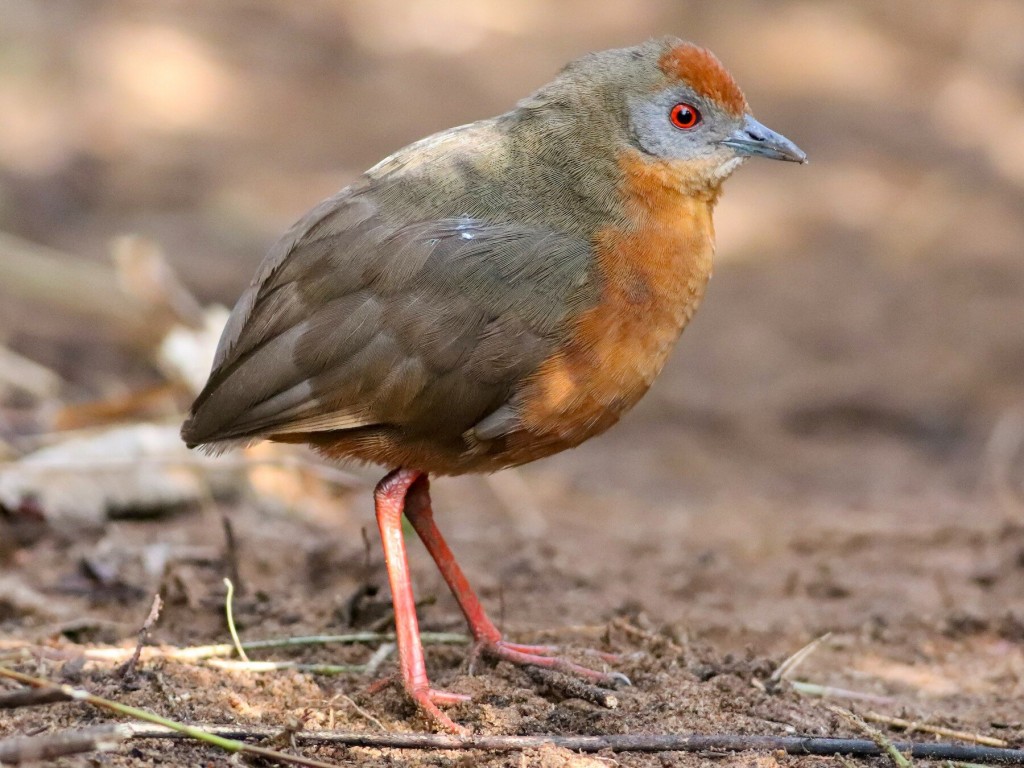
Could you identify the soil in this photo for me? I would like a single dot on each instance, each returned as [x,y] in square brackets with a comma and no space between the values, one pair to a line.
[835,446]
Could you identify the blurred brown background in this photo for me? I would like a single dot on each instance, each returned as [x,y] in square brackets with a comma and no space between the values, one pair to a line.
[837,443]
[858,366]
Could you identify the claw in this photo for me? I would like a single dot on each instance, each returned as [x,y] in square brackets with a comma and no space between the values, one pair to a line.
[621,679]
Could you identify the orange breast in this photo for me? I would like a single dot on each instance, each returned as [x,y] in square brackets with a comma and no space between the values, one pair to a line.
[653,270]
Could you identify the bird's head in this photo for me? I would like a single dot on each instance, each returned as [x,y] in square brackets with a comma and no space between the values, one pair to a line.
[697,114]
[668,101]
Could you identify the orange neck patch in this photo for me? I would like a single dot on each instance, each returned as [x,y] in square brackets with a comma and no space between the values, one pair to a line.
[652,271]
[701,70]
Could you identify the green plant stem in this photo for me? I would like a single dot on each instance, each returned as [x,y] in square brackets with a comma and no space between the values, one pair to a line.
[229,745]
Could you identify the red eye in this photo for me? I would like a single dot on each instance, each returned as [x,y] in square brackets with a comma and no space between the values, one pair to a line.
[684,116]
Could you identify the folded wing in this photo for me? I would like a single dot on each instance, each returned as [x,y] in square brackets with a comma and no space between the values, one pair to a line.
[355,321]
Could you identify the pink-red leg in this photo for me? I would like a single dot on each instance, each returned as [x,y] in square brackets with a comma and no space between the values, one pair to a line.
[390,497]
[488,638]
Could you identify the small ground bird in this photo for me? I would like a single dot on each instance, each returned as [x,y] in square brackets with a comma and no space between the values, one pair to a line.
[490,295]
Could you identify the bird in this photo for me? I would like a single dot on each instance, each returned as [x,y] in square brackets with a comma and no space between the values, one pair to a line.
[488,296]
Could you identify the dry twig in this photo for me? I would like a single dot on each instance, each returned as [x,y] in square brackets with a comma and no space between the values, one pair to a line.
[573,687]
[359,710]
[30,697]
[164,725]
[46,746]
[128,670]
[619,742]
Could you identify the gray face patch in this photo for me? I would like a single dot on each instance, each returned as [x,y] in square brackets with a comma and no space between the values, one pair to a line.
[655,134]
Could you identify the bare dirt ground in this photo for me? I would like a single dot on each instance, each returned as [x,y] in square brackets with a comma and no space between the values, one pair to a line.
[835,447]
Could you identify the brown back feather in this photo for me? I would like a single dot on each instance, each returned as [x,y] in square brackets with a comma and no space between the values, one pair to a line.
[427,327]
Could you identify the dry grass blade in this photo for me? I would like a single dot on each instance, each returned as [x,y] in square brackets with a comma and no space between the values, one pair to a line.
[232,665]
[194,653]
[831,692]
[938,730]
[898,758]
[789,666]
[230,617]
[359,710]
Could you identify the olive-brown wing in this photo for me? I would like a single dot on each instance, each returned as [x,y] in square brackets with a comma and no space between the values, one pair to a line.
[355,321]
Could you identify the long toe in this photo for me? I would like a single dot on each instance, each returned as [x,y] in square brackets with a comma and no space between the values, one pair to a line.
[533,650]
[552,650]
[427,700]
[543,656]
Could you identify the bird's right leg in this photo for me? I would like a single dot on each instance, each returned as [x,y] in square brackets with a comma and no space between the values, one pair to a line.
[390,499]
[486,636]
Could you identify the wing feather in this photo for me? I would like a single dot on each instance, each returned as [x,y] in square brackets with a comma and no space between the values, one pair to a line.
[354,321]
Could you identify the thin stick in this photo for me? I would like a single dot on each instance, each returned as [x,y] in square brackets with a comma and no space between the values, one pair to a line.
[619,742]
[164,725]
[47,746]
[29,697]
[938,730]
[128,671]
[231,620]
[572,687]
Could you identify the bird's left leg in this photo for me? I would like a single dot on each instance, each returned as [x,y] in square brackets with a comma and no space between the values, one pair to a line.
[391,496]
[486,636]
